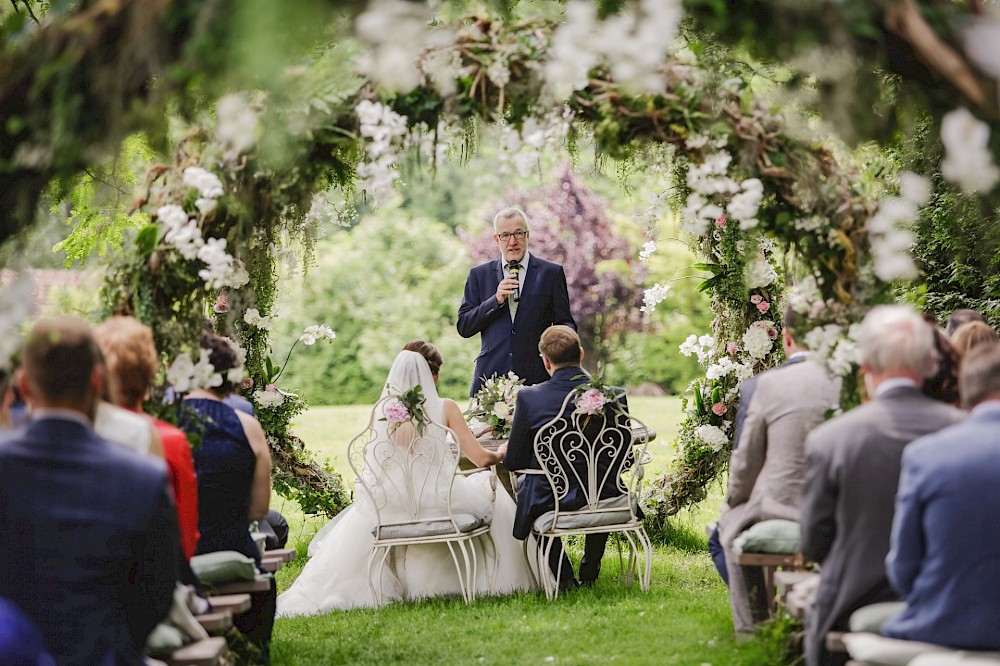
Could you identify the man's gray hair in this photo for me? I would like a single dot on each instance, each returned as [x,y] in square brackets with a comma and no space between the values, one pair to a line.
[979,375]
[510,211]
[894,338]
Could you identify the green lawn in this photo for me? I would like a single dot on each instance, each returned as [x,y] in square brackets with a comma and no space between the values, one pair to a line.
[683,619]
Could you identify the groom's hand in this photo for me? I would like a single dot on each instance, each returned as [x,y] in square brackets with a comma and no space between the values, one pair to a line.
[505,289]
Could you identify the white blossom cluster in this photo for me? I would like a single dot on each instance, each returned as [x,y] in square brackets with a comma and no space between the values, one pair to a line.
[806,298]
[384,132]
[396,33]
[834,346]
[237,123]
[759,273]
[316,332]
[255,318]
[703,347]
[222,270]
[520,151]
[208,185]
[17,304]
[889,229]
[712,436]
[725,365]
[967,159]
[981,39]
[758,341]
[654,296]
[324,209]
[715,197]
[185,375]
[632,43]
[269,398]
[648,248]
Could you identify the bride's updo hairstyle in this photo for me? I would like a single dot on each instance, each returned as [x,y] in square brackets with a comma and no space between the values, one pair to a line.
[429,352]
[223,358]
[560,345]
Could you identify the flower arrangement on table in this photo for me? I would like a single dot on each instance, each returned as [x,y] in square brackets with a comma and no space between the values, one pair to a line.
[406,407]
[494,402]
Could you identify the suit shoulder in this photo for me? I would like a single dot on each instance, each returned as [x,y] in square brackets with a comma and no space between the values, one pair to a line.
[143,468]
[484,267]
[545,264]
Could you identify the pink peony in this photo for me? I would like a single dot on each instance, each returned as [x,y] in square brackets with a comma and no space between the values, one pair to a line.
[221,304]
[247,382]
[591,402]
[772,332]
[396,412]
[721,221]
[271,388]
[732,348]
[763,307]
[719,408]
[756,298]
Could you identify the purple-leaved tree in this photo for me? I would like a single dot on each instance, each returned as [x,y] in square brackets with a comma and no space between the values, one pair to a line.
[570,226]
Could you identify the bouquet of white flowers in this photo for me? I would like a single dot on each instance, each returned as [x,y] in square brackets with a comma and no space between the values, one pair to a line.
[493,403]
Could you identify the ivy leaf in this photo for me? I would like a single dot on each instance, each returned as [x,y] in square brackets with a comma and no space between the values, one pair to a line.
[145,240]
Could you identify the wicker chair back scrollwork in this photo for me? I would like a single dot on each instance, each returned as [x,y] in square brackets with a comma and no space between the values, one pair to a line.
[406,473]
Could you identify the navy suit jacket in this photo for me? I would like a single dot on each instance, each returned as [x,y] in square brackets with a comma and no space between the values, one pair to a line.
[508,345]
[944,558]
[536,406]
[88,540]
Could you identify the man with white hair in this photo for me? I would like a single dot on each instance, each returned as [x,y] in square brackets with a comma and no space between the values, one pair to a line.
[510,301]
[852,468]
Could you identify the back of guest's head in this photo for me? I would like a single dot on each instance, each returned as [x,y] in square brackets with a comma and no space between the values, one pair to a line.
[895,339]
[223,357]
[971,335]
[791,322]
[58,360]
[129,356]
[979,377]
[560,345]
[959,317]
[429,352]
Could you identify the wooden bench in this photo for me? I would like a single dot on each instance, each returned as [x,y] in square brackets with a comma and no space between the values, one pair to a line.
[216,623]
[284,554]
[234,603]
[785,582]
[769,563]
[271,565]
[239,587]
[207,652]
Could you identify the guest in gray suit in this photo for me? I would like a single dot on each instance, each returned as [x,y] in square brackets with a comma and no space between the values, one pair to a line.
[853,467]
[768,465]
[945,555]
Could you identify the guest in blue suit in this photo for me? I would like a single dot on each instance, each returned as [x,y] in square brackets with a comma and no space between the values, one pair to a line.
[945,554]
[537,405]
[88,531]
[510,301]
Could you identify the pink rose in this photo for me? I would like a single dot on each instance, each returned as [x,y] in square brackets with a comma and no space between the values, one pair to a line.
[247,382]
[732,348]
[221,304]
[396,412]
[763,307]
[756,298]
[591,402]
[271,388]
[719,408]
[772,332]
[721,221]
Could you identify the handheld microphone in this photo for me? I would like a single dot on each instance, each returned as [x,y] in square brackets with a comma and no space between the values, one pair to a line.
[514,267]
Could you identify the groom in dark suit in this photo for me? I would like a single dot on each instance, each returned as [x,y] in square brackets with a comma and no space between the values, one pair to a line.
[510,301]
[88,531]
[537,405]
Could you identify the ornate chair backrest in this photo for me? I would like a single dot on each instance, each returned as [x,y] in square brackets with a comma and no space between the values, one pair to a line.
[406,476]
[598,456]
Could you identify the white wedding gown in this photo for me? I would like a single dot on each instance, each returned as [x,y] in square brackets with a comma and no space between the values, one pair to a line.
[336,576]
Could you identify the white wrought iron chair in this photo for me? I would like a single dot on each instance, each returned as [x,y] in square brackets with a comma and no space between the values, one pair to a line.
[602,456]
[408,477]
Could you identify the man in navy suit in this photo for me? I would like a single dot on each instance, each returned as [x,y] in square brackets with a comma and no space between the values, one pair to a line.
[537,405]
[944,557]
[510,301]
[88,531]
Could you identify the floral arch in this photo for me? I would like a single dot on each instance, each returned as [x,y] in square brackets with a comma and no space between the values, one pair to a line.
[759,202]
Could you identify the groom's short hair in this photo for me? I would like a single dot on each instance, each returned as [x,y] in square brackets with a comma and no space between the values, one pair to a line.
[560,345]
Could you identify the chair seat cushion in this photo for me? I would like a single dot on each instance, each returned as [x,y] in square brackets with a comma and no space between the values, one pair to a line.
[770,536]
[869,619]
[874,650]
[223,566]
[466,522]
[613,511]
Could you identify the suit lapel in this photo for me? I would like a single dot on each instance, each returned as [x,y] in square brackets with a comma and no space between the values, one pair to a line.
[529,278]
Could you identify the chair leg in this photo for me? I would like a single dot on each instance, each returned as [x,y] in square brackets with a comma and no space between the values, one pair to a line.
[377,589]
[458,567]
[544,572]
[492,557]
[535,581]
[647,547]
[633,554]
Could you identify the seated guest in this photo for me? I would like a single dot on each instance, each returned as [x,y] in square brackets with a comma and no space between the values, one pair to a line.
[537,405]
[88,532]
[768,466]
[131,361]
[852,466]
[971,335]
[959,317]
[942,383]
[945,554]
[233,465]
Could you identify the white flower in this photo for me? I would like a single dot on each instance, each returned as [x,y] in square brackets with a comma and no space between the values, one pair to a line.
[759,273]
[711,435]
[648,248]
[981,39]
[204,374]
[254,318]
[181,372]
[396,32]
[204,205]
[968,160]
[268,399]
[237,122]
[502,410]
[757,340]
[204,181]
[653,297]
[914,188]
[316,332]
[235,375]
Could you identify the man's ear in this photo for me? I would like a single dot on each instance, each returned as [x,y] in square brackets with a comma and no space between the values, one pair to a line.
[24,385]
[97,380]
[581,355]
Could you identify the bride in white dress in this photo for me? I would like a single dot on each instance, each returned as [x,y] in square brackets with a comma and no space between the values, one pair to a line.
[336,575]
